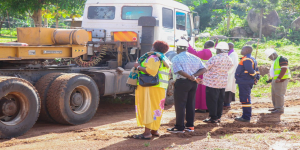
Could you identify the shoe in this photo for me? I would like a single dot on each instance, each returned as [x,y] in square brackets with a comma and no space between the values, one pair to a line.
[241,119]
[200,111]
[141,137]
[210,120]
[272,109]
[189,129]
[277,111]
[174,130]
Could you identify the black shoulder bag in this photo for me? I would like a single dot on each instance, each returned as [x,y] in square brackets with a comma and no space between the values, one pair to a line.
[147,80]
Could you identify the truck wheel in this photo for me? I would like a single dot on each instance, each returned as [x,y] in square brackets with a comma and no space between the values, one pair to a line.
[43,86]
[19,106]
[73,99]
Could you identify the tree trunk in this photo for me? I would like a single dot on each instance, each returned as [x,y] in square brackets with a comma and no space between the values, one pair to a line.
[1,22]
[228,20]
[261,18]
[56,22]
[37,18]
[45,22]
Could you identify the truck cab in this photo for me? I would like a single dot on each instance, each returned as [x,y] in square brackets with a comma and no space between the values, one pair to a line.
[129,22]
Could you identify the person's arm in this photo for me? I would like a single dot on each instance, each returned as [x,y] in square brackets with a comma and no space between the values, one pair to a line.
[142,69]
[217,41]
[200,72]
[248,67]
[184,74]
[283,63]
[199,54]
[138,66]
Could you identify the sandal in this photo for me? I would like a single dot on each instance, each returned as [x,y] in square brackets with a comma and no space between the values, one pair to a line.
[210,121]
[141,137]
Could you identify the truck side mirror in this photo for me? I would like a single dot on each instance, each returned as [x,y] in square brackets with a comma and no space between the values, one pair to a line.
[196,31]
[196,22]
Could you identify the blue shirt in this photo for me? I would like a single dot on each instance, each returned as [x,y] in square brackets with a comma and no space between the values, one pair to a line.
[186,62]
[247,70]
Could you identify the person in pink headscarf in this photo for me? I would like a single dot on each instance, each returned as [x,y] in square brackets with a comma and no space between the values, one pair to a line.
[204,55]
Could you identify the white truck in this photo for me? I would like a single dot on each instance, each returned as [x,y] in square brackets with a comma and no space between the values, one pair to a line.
[151,20]
[94,62]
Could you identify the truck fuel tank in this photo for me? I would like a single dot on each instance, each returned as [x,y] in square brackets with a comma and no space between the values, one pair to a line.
[70,36]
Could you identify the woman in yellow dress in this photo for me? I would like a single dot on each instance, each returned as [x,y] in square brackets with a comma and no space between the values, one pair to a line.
[149,101]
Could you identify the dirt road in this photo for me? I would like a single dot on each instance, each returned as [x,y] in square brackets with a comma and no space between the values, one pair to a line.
[114,125]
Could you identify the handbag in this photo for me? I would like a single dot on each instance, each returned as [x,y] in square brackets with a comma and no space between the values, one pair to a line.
[147,80]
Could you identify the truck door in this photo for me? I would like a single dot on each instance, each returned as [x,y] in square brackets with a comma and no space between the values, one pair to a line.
[189,28]
[183,26]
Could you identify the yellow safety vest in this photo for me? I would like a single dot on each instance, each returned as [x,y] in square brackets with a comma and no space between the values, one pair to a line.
[277,70]
[163,75]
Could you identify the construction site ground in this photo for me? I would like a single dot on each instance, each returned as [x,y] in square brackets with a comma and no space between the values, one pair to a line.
[114,124]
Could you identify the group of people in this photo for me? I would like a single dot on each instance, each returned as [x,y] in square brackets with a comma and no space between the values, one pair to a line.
[203,82]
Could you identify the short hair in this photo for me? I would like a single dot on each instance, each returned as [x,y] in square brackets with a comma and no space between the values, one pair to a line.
[161,46]
[210,43]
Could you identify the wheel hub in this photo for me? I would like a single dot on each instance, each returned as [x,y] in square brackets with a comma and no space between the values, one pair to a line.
[76,99]
[8,108]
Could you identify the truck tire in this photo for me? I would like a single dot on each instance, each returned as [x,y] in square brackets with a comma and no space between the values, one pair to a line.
[42,87]
[73,99]
[19,106]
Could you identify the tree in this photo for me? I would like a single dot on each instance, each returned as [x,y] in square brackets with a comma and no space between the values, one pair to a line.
[263,6]
[229,4]
[192,3]
[35,7]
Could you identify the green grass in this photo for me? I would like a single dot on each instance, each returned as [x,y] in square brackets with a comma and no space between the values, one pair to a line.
[4,39]
[8,32]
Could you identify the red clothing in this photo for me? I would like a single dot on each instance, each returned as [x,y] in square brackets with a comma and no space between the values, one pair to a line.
[204,54]
[200,100]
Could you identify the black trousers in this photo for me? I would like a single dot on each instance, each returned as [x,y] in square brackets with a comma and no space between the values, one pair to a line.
[184,100]
[215,101]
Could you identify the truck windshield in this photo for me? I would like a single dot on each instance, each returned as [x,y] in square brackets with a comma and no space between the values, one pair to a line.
[135,12]
[101,12]
[180,20]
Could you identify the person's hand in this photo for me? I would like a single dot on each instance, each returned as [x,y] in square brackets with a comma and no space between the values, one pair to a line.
[255,81]
[277,80]
[269,81]
[192,78]
[136,65]
[199,81]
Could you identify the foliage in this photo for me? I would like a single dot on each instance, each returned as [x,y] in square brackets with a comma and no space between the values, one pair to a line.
[293,35]
[221,28]
[71,7]
[9,32]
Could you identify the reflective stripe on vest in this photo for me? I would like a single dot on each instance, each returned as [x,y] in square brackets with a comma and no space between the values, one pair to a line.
[277,70]
[163,75]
